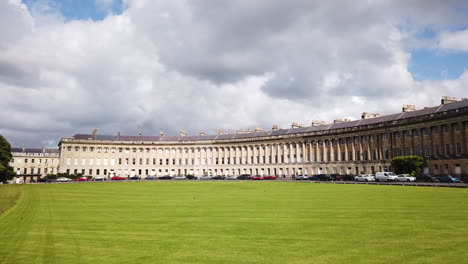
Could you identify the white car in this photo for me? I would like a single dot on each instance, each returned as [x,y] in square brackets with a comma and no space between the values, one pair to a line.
[365,178]
[406,178]
[385,176]
[180,177]
[63,179]
[99,178]
[205,177]
[230,177]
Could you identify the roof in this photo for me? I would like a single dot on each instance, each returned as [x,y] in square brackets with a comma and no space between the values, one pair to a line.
[35,150]
[279,132]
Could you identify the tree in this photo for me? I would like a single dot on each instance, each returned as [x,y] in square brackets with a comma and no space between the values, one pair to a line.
[408,164]
[6,172]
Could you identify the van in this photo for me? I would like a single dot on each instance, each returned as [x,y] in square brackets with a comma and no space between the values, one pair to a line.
[385,176]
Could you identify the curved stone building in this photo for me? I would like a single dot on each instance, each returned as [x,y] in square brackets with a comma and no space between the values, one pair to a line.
[343,147]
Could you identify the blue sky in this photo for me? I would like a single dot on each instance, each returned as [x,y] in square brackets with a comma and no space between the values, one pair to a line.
[81,9]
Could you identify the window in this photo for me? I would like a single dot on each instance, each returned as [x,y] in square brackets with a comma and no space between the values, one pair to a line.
[447,149]
[458,149]
[385,137]
[397,134]
[437,150]
[407,151]
[416,151]
[386,152]
[435,130]
[415,132]
[427,151]
[398,152]
[68,161]
[426,132]
[446,129]
[457,127]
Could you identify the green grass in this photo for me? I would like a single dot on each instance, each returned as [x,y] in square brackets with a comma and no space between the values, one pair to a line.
[9,194]
[235,222]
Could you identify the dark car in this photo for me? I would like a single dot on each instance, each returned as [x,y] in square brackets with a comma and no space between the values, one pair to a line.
[448,178]
[335,177]
[218,177]
[150,178]
[43,180]
[424,177]
[314,178]
[325,177]
[135,178]
[244,177]
[165,177]
[347,177]
[192,177]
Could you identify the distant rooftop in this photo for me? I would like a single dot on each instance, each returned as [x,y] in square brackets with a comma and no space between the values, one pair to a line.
[444,107]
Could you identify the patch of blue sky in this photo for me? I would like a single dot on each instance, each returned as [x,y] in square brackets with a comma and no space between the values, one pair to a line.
[81,9]
[429,64]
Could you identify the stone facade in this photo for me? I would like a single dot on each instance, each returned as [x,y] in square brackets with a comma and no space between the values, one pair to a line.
[345,147]
[31,163]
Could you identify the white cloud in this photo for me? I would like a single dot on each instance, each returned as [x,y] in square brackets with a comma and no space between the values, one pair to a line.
[184,65]
[455,41]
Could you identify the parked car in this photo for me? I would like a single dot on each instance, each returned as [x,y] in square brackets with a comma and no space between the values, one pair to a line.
[365,178]
[269,177]
[180,177]
[313,178]
[424,177]
[218,177]
[150,178]
[244,177]
[300,177]
[135,178]
[406,178]
[385,176]
[347,177]
[63,179]
[165,177]
[118,178]
[43,180]
[205,177]
[335,177]
[230,177]
[448,178]
[192,177]
[99,178]
[325,177]
[83,178]
[257,177]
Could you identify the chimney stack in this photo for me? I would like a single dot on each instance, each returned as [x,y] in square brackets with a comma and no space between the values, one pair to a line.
[182,133]
[258,129]
[408,108]
[240,131]
[274,127]
[94,133]
[118,135]
[250,130]
[161,134]
[220,132]
[296,125]
[341,120]
[447,100]
[318,123]
[202,133]
[366,115]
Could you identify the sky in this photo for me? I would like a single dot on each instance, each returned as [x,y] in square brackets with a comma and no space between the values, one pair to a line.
[67,66]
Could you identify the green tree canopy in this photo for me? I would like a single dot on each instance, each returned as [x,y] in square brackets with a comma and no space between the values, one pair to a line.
[6,172]
[408,164]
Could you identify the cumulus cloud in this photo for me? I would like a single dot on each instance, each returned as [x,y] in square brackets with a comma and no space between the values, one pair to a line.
[454,41]
[204,65]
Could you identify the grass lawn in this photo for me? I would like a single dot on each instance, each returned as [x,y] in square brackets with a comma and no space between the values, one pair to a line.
[9,194]
[234,222]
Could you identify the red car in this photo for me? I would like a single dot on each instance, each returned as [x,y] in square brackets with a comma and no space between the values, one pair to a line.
[118,178]
[269,177]
[257,177]
[84,178]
